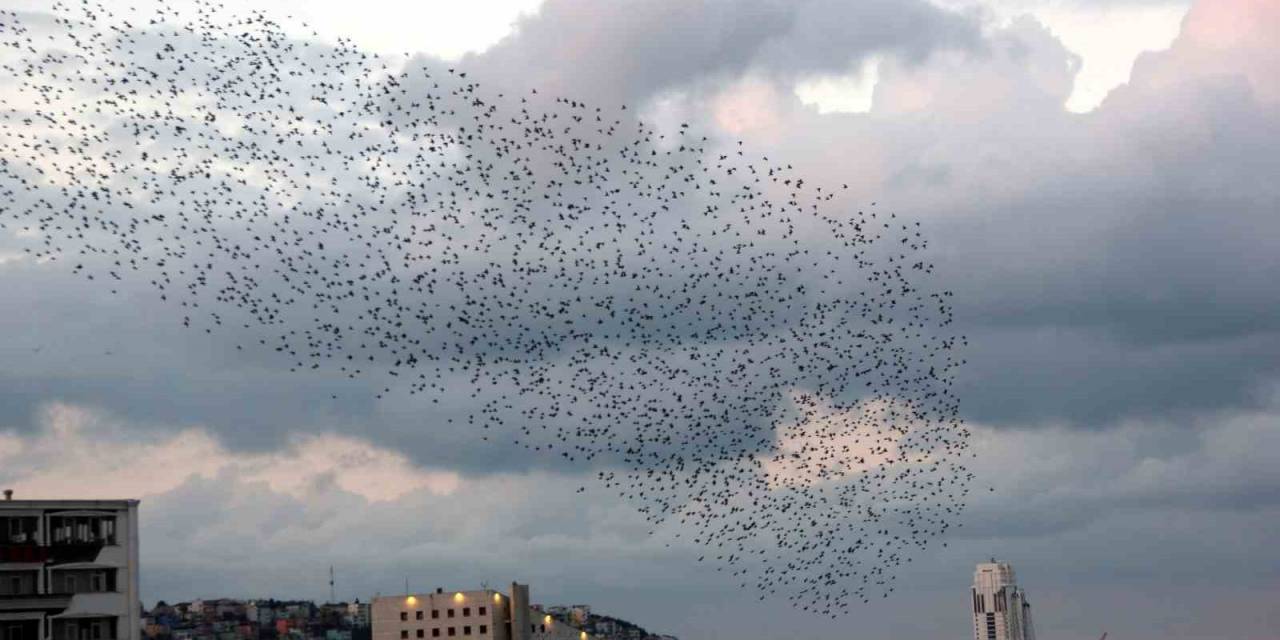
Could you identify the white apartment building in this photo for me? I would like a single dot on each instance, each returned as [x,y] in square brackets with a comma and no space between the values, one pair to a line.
[475,615]
[69,569]
[1000,607]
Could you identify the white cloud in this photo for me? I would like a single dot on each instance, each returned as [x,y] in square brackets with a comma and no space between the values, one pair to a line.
[850,93]
[82,453]
[1108,36]
[447,30]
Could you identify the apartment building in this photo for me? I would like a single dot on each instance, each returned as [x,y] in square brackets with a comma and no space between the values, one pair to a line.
[69,569]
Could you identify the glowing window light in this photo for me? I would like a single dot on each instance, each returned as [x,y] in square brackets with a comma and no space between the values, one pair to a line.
[458,597]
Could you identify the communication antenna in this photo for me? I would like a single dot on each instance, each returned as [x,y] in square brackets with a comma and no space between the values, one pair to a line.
[331,597]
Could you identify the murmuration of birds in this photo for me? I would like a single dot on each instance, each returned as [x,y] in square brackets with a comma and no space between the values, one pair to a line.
[757,366]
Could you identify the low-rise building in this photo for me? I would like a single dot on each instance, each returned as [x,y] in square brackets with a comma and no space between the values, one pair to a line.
[478,615]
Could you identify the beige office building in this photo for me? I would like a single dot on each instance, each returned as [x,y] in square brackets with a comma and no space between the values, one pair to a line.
[485,614]
[1000,607]
[69,569]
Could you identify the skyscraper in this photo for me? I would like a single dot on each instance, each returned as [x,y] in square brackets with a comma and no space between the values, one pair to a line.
[1000,607]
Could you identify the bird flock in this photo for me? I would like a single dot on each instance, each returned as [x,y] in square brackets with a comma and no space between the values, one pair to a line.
[755,364]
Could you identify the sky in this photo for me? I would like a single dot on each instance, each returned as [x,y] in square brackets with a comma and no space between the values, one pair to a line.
[1097,181]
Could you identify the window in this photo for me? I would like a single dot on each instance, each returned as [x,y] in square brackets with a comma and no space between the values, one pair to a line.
[435,613]
[484,628]
[404,634]
[404,616]
[107,527]
[419,616]
[452,632]
[18,529]
[435,633]
[466,630]
[482,611]
[544,628]
[421,633]
[466,612]
[451,613]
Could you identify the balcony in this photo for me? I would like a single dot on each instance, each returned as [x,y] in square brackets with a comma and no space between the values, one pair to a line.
[47,603]
[26,552]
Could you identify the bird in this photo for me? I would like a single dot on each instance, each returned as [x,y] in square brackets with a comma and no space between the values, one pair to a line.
[764,369]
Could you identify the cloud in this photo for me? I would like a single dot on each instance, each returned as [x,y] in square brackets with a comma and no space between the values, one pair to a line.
[85,453]
[626,52]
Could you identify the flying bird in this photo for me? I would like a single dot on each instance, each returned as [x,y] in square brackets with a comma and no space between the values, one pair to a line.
[757,365]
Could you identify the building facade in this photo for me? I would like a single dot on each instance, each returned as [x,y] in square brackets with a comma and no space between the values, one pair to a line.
[1000,608]
[69,569]
[484,614]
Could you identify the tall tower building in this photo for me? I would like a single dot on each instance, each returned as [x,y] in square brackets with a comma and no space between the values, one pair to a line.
[1000,607]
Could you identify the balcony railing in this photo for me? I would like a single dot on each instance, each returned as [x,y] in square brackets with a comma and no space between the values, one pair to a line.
[56,553]
[28,552]
[52,603]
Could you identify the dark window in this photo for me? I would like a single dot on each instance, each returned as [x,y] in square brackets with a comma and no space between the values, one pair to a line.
[419,615]
[466,612]
[484,628]
[453,631]
[435,633]
[482,611]
[435,613]
[18,530]
[466,630]
[18,583]
[83,529]
[544,628]
[404,615]
[451,613]
[404,634]
[421,633]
